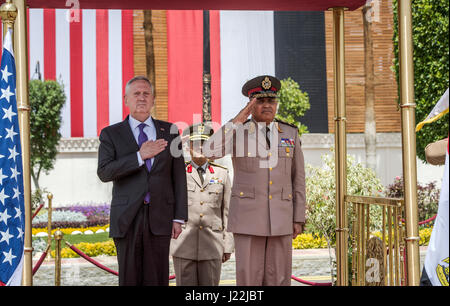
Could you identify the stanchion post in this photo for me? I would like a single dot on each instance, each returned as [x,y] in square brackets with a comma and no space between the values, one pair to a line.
[23,107]
[49,224]
[406,65]
[340,140]
[58,237]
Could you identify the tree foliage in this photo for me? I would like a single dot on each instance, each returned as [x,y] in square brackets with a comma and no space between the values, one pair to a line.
[293,103]
[430,20]
[46,100]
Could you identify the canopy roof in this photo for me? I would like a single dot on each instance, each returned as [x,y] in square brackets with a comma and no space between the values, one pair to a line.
[272,5]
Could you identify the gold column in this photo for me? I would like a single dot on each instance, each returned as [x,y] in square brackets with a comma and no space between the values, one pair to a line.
[340,140]
[409,140]
[8,13]
[58,237]
[21,57]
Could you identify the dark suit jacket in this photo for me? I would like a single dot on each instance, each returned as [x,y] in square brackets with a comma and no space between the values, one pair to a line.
[118,162]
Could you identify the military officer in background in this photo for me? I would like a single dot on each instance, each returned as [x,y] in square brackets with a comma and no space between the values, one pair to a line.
[203,245]
[267,206]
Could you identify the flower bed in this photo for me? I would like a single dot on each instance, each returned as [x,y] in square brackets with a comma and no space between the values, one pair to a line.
[88,210]
[90,249]
[309,241]
[77,216]
[424,235]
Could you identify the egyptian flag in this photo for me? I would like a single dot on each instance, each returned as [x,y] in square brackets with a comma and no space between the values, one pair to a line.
[244,44]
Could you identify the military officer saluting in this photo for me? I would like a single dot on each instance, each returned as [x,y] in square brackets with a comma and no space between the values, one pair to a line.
[267,206]
[203,245]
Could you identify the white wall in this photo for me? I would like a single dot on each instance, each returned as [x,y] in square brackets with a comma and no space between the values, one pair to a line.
[74,178]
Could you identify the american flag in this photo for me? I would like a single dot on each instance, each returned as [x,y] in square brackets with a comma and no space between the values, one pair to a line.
[12,211]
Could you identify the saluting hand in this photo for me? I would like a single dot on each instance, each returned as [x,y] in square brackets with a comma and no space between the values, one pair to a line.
[245,112]
[150,149]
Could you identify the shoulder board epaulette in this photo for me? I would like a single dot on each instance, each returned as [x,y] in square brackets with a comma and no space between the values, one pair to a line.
[217,165]
[284,122]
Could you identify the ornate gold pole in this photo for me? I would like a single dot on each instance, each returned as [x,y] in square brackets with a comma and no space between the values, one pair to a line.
[206,101]
[8,13]
[21,57]
[58,238]
[409,140]
[340,140]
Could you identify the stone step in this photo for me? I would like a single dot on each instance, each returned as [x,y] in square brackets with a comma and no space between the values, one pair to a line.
[311,265]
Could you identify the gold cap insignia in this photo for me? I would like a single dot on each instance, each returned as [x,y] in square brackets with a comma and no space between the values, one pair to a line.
[266,83]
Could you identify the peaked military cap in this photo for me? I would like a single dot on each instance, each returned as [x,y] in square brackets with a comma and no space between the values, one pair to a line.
[261,87]
[199,131]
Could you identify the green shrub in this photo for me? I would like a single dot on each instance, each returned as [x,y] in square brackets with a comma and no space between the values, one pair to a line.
[321,195]
[427,197]
[90,249]
[309,241]
[293,103]
[430,25]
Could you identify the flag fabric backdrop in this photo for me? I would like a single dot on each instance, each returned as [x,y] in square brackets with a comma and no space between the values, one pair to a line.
[245,44]
[12,211]
[91,54]
[93,58]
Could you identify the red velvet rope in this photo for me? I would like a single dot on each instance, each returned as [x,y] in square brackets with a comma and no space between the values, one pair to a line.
[37,210]
[310,283]
[73,248]
[76,250]
[425,221]
[428,220]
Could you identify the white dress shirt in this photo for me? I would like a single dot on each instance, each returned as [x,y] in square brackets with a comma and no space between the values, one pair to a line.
[204,166]
[149,130]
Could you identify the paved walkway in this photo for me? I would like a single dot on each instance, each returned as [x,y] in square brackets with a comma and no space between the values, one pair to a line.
[311,265]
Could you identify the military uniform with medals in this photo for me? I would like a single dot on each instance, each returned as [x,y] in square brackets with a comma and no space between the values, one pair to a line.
[268,193]
[198,251]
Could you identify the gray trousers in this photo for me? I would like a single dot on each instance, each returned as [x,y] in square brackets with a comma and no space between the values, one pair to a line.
[197,272]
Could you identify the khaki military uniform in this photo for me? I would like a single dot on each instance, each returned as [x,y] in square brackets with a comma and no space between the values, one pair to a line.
[268,196]
[197,253]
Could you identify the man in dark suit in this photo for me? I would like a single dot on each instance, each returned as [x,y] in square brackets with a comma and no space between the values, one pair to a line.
[140,155]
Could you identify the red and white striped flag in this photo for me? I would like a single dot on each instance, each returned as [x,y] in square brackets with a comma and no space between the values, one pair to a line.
[91,54]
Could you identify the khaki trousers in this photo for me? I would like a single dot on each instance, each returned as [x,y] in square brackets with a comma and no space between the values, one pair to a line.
[197,272]
[263,261]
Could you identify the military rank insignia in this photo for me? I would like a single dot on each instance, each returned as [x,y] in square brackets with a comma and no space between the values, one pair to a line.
[287,142]
[266,83]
